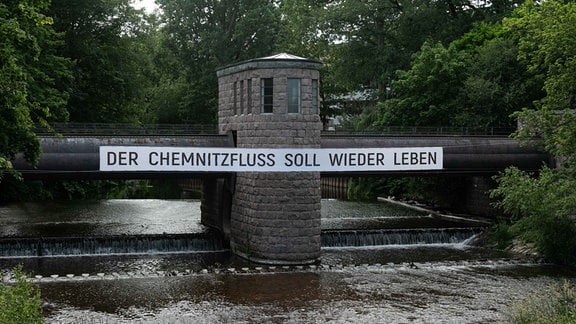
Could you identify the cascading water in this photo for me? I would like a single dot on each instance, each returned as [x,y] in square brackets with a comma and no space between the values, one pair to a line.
[110,245]
[117,227]
[397,237]
[204,242]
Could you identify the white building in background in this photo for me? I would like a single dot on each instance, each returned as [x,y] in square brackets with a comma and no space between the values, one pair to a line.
[351,104]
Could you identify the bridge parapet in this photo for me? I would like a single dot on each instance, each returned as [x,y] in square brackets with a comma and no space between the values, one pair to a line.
[110,129]
[473,155]
[421,131]
[78,157]
[124,129]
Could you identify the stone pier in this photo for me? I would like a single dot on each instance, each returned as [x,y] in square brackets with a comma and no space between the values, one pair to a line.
[273,102]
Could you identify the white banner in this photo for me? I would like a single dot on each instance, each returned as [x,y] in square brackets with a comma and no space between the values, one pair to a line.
[201,159]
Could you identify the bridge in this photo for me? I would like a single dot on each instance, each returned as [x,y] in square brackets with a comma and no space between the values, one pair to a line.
[71,151]
[271,103]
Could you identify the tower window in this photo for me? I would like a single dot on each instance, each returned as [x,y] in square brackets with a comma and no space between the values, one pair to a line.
[293,96]
[249,94]
[235,94]
[241,97]
[267,91]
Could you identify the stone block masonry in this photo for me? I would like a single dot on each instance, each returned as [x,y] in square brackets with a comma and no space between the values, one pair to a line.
[275,217]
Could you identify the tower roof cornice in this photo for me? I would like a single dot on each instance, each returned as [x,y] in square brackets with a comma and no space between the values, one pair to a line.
[281,60]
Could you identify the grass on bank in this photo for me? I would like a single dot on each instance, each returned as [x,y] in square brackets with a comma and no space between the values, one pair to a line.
[20,302]
[554,305]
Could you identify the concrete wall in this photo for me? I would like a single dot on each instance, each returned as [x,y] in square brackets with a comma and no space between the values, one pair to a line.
[275,217]
[478,201]
[216,202]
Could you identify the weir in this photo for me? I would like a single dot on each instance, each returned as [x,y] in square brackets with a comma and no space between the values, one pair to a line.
[274,217]
[213,242]
[110,245]
[357,238]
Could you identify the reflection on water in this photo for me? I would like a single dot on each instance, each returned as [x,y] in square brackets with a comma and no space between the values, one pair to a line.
[242,290]
[153,216]
[332,208]
[106,217]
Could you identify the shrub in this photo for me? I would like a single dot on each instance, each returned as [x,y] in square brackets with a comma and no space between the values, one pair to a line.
[554,305]
[542,210]
[501,235]
[20,303]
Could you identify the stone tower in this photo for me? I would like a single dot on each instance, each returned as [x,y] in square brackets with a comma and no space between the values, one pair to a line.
[273,102]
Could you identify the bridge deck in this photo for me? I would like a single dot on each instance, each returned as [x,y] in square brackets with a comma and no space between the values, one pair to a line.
[77,156]
[462,154]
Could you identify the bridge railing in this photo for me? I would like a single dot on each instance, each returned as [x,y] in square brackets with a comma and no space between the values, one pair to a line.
[422,131]
[104,129]
[109,129]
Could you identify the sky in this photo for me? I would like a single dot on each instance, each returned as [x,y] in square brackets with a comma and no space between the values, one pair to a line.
[148,5]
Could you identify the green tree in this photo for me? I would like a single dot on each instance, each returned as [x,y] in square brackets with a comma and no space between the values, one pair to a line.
[301,29]
[476,81]
[303,33]
[542,210]
[543,206]
[377,38]
[425,94]
[369,41]
[496,86]
[203,35]
[545,36]
[30,72]
[104,39]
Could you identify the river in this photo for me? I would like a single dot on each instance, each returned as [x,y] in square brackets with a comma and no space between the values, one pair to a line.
[407,281]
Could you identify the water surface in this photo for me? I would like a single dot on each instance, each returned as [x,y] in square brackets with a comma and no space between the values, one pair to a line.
[400,283]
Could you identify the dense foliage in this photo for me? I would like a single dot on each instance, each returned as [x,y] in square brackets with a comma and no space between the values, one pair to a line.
[20,302]
[543,210]
[105,40]
[476,81]
[30,71]
[104,61]
[200,36]
[544,206]
[376,38]
[546,43]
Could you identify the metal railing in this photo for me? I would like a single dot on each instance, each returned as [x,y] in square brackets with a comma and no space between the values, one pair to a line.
[108,129]
[422,131]
[102,129]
